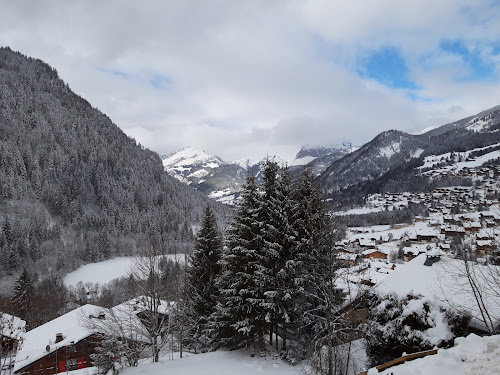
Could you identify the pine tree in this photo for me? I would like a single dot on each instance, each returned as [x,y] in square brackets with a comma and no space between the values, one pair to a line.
[314,265]
[202,272]
[241,317]
[22,297]
[278,235]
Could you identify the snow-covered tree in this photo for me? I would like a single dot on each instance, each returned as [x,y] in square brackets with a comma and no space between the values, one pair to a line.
[411,324]
[202,272]
[241,318]
[22,297]
[279,243]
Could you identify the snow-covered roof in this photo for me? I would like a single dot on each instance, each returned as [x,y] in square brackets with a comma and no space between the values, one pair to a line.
[141,303]
[446,281]
[70,325]
[11,326]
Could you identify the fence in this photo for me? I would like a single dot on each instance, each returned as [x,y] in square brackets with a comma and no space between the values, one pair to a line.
[402,359]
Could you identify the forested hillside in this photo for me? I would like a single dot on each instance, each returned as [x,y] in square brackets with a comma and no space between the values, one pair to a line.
[73,187]
[391,160]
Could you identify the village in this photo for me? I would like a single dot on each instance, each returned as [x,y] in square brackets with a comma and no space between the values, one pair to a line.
[403,258]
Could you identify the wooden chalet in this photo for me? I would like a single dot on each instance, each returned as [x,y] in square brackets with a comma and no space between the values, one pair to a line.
[374,254]
[484,247]
[61,345]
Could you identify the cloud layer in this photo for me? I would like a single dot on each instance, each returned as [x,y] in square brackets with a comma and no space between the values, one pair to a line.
[250,78]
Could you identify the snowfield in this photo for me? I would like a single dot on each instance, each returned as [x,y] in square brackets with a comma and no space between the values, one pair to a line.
[471,355]
[216,363]
[104,272]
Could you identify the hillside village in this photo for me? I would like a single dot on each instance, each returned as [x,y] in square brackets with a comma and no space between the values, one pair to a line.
[471,212]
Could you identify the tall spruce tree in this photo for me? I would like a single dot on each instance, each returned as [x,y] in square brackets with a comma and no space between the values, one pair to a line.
[313,263]
[22,297]
[241,317]
[279,236]
[202,272]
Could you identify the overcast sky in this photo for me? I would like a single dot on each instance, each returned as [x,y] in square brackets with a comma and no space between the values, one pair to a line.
[250,78]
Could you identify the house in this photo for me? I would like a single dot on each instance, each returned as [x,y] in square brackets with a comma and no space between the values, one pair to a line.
[140,309]
[484,247]
[472,227]
[347,257]
[61,345]
[66,343]
[11,331]
[374,254]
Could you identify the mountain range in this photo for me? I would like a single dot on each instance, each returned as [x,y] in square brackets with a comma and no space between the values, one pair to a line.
[345,173]
[223,181]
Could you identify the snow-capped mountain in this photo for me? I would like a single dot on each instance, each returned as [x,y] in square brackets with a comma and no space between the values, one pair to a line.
[208,173]
[223,181]
[392,159]
[309,153]
[191,165]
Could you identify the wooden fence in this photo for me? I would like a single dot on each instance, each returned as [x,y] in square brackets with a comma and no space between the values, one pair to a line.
[402,359]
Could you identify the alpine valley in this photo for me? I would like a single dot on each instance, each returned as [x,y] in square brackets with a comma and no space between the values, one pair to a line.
[343,258]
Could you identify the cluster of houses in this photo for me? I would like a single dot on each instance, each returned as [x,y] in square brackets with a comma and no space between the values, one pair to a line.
[416,258]
[67,342]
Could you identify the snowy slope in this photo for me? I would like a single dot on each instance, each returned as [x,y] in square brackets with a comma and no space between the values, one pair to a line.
[432,160]
[471,355]
[104,272]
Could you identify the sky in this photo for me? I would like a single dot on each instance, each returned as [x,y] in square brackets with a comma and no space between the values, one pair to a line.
[246,79]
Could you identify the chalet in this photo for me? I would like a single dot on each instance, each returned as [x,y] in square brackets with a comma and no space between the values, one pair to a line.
[11,331]
[140,307]
[484,247]
[412,253]
[454,231]
[374,254]
[61,345]
[66,343]
[472,227]
[444,246]
[427,237]
[348,258]
[367,243]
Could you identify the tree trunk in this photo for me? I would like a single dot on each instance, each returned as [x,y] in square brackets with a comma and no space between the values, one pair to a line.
[271,334]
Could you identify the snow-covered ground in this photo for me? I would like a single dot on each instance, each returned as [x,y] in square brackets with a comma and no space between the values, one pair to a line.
[471,355]
[104,272]
[216,363]
[360,211]
[432,160]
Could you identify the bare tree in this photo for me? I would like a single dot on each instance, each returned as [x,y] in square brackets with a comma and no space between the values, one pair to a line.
[154,310]
[472,287]
[11,336]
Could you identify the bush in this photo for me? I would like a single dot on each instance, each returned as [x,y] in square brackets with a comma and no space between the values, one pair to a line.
[408,325]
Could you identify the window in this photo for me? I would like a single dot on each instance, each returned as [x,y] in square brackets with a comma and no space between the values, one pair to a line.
[83,347]
[71,364]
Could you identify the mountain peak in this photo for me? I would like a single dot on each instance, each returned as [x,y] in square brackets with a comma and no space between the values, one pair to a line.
[309,153]
[192,156]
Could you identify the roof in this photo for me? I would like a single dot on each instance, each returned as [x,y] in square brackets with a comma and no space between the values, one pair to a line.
[446,281]
[140,304]
[11,326]
[36,341]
